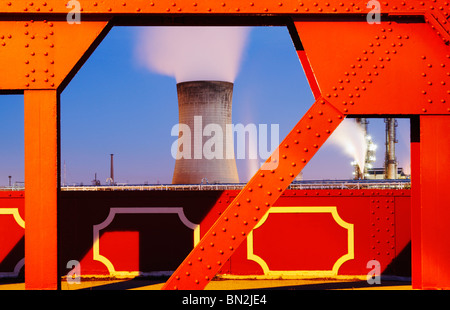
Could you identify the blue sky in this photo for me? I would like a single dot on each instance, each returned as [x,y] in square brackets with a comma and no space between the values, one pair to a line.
[115,105]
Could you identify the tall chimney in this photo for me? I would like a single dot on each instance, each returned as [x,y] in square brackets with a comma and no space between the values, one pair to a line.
[390,164]
[203,103]
[112,170]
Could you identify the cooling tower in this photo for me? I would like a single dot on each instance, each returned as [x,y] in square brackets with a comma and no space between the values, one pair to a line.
[205,104]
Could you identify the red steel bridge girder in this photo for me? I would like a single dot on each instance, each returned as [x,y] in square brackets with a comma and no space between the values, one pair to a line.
[396,68]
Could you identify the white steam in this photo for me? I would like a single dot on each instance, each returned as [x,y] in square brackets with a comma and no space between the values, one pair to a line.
[193,53]
[350,137]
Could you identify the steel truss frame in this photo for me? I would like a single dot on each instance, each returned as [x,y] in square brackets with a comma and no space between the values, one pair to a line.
[398,68]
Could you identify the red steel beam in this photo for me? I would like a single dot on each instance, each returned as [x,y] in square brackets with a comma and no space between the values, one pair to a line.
[416,206]
[434,210]
[230,7]
[41,178]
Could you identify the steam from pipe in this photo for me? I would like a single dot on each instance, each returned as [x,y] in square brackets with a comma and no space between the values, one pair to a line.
[350,137]
[193,53]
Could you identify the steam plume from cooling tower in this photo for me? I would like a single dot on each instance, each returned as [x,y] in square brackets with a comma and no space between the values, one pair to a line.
[351,138]
[193,53]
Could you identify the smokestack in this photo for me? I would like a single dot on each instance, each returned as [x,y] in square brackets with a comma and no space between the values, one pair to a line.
[112,168]
[390,164]
[202,104]
[110,180]
[362,122]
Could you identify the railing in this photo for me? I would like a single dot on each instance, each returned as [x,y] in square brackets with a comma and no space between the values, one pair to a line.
[300,185]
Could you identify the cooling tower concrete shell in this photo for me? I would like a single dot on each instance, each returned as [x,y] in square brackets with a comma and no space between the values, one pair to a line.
[205,104]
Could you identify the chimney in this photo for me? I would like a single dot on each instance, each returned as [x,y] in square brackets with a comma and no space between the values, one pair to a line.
[390,164]
[110,180]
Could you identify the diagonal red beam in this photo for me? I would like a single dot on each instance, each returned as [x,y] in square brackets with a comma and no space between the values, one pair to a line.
[255,199]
